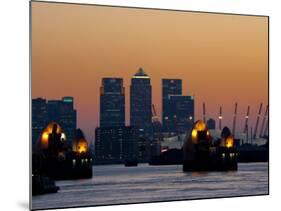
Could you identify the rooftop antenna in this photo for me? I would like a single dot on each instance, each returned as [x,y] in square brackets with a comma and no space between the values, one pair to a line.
[257,123]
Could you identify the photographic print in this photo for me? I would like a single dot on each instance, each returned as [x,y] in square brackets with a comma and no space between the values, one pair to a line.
[136,105]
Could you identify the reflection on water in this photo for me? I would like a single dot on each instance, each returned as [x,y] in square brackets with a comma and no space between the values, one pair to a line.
[115,184]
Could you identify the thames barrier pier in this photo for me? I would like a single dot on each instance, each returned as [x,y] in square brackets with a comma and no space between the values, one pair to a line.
[202,153]
[54,159]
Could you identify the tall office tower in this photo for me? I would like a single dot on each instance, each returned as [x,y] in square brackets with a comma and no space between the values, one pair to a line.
[140,102]
[169,87]
[115,144]
[182,113]
[60,111]
[68,118]
[54,108]
[39,118]
[211,124]
[112,103]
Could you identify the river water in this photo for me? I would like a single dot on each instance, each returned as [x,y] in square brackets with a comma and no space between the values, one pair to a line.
[116,184]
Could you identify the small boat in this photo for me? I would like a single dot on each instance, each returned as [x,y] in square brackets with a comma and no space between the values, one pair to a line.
[42,185]
[130,163]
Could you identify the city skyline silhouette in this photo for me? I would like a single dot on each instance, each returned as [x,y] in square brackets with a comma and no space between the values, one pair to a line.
[221,59]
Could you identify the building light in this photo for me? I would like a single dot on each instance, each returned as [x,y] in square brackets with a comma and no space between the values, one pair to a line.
[164,150]
[143,77]
[68,99]
[63,137]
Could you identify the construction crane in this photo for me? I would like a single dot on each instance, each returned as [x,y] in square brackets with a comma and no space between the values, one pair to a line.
[155,118]
[246,120]
[263,121]
[234,120]
[220,118]
[257,123]
[157,131]
[204,113]
[266,132]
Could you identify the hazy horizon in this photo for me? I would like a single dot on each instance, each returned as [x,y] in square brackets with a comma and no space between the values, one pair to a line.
[221,58]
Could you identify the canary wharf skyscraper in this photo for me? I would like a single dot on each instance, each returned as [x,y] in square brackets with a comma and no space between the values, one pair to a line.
[140,101]
[170,87]
[182,112]
[112,103]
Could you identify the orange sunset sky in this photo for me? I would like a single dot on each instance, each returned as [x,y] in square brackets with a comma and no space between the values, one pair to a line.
[222,59]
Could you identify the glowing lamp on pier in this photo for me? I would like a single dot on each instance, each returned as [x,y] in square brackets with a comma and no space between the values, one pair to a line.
[199,129]
[229,142]
[82,146]
[52,129]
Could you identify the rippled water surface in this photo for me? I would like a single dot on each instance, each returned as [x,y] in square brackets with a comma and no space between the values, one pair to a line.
[115,184]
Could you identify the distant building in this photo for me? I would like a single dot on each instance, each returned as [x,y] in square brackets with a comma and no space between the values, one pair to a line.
[157,137]
[140,102]
[39,117]
[68,117]
[211,124]
[63,112]
[115,144]
[169,87]
[60,111]
[112,103]
[182,112]
[54,110]
[144,144]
